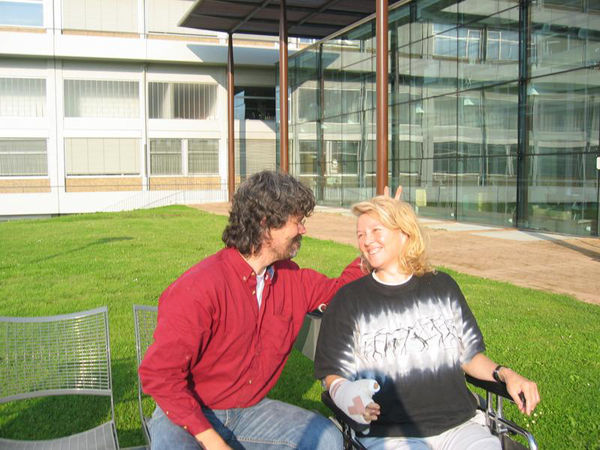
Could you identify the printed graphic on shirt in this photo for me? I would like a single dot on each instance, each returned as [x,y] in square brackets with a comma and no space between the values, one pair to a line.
[396,343]
[420,336]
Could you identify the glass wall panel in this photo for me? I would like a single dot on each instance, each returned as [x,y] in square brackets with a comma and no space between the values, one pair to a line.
[434,189]
[433,63]
[491,50]
[474,10]
[304,85]
[559,36]
[563,193]
[564,112]
[454,114]
[359,44]
[487,190]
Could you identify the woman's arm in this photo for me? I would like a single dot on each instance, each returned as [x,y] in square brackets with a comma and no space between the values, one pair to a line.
[482,367]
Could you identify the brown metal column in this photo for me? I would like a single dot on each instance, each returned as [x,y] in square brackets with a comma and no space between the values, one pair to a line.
[283,89]
[230,120]
[382,94]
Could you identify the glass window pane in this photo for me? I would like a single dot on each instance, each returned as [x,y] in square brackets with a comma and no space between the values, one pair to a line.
[192,101]
[203,156]
[22,97]
[22,13]
[101,98]
[23,157]
[165,157]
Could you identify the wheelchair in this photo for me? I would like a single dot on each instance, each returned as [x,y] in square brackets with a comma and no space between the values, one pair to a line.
[491,406]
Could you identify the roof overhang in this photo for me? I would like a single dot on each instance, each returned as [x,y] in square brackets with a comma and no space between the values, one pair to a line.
[314,19]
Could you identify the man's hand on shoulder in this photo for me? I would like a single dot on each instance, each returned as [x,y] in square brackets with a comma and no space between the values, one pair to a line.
[211,440]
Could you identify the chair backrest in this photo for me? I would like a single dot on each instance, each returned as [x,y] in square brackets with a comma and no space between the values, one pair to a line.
[57,355]
[145,323]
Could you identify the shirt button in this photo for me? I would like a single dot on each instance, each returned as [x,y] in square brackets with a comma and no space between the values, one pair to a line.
[167,413]
[253,274]
[249,381]
[244,278]
[253,292]
[185,427]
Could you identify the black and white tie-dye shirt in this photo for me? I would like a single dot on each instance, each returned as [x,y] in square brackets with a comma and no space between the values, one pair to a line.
[412,339]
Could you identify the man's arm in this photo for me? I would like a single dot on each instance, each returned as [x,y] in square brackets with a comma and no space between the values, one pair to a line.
[320,289]
[180,337]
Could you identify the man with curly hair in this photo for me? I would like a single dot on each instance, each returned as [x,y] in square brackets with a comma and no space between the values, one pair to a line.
[227,326]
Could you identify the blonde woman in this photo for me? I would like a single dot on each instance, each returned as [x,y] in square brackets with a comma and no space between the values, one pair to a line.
[394,346]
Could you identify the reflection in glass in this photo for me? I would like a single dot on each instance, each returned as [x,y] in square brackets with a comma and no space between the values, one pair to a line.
[455,117]
[563,193]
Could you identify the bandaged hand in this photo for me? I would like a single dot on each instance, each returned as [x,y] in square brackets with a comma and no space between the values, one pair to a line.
[355,398]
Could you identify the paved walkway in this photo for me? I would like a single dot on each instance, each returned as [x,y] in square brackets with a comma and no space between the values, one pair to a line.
[564,264]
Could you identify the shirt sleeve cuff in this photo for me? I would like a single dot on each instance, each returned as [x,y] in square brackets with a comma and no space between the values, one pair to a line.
[195,423]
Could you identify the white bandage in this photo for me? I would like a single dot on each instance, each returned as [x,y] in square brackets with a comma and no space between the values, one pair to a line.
[352,397]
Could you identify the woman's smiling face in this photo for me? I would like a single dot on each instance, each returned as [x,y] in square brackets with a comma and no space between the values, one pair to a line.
[379,245]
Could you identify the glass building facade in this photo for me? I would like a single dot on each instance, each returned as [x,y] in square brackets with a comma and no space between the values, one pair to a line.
[494,112]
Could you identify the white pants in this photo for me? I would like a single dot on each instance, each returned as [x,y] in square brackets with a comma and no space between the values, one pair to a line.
[471,435]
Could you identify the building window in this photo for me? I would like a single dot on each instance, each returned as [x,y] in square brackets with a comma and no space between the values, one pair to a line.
[23,157]
[22,13]
[102,99]
[22,97]
[203,156]
[452,43]
[308,157]
[342,157]
[254,103]
[503,45]
[194,101]
[102,156]
[167,156]
[254,155]
[94,15]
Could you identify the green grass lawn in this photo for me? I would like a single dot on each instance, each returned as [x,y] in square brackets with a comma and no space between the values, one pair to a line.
[81,262]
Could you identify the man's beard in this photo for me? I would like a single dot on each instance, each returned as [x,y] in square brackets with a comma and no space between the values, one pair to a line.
[291,250]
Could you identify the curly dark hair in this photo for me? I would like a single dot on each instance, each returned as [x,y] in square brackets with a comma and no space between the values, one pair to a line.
[267,197]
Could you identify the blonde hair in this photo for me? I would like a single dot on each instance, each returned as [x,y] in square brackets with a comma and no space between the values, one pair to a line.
[399,216]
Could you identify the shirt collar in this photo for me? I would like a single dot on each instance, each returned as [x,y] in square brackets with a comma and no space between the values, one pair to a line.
[243,269]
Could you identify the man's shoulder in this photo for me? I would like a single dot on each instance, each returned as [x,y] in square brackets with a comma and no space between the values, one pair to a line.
[203,274]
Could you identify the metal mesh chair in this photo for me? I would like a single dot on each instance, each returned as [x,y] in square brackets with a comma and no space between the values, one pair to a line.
[59,355]
[145,323]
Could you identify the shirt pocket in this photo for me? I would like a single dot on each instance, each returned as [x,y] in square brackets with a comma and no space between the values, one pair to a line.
[278,338]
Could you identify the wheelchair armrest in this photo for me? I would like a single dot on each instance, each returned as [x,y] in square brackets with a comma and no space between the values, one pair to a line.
[493,387]
[341,416]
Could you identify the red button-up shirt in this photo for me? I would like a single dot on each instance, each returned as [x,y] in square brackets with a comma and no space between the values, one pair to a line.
[214,347]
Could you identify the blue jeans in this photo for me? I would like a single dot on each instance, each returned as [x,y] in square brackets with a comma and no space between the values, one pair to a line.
[270,424]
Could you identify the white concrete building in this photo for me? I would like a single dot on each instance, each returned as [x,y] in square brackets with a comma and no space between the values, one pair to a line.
[109,105]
